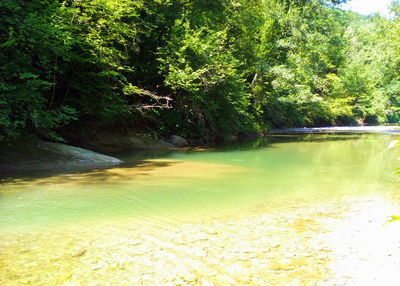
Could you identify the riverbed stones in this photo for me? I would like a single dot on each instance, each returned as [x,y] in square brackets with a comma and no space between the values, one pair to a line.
[79,252]
[238,250]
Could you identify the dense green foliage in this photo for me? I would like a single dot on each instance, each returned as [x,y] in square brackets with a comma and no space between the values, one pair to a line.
[205,69]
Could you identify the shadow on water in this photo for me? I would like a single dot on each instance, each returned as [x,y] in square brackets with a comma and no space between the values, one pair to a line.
[87,175]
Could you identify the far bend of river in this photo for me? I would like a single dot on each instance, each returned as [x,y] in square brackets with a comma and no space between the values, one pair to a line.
[222,181]
[45,216]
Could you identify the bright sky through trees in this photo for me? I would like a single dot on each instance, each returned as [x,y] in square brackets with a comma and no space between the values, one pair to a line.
[367,7]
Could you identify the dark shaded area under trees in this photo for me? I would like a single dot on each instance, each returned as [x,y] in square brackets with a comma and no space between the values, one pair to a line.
[201,69]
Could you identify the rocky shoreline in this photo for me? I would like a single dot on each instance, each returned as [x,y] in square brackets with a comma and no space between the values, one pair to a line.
[42,155]
[57,156]
[53,156]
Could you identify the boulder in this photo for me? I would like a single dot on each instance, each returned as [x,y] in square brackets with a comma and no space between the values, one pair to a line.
[230,138]
[79,155]
[178,141]
[114,142]
[57,157]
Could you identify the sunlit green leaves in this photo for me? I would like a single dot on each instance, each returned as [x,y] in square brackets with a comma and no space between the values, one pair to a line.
[197,68]
[394,143]
[394,218]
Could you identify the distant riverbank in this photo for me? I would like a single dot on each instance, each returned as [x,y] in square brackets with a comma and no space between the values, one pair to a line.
[339,129]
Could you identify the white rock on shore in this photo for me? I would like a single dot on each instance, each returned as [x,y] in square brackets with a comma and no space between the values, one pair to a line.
[86,157]
[53,156]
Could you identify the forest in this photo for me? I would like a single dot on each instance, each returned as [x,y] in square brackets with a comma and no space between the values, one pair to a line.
[205,69]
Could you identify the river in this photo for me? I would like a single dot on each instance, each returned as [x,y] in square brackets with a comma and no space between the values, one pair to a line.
[281,210]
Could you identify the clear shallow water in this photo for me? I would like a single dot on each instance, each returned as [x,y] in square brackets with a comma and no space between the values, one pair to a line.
[224,181]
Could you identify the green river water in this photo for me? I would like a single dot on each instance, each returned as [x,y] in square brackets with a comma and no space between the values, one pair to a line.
[262,212]
[222,180]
